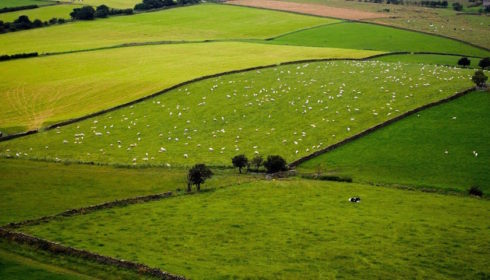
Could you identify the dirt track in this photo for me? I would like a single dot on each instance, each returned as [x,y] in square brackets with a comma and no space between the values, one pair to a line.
[312,9]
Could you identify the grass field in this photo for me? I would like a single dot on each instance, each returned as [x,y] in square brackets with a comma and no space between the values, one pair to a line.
[446,22]
[42,13]
[50,89]
[118,4]
[16,3]
[292,110]
[292,229]
[52,188]
[413,151]
[201,22]
[449,60]
[374,37]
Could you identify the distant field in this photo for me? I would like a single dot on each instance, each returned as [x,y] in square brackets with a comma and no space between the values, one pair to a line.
[290,230]
[16,3]
[413,151]
[201,22]
[449,60]
[43,90]
[52,188]
[119,4]
[290,110]
[42,13]
[374,37]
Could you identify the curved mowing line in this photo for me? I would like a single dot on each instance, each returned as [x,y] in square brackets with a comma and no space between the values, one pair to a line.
[367,22]
[379,126]
[71,121]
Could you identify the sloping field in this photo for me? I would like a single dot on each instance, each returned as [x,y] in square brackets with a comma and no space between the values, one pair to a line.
[374,37]
[118,4]
[16,3]
[42,13]
[445,147]
[449,60]
[200,22]
[311,9]
[292,230]
[54,88]
[291,110]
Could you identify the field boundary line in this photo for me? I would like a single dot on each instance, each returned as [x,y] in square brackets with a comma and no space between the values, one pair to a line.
[201,78]
[57,248]
[379,126]
[366,22]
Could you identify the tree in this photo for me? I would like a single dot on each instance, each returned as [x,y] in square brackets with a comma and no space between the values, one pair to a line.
[37,23]
[84,13]
[257,161]
[464,61]
[23,22]
[240,162]
[457,6]
[198,174]
[102,11]
[479,78]
[275,164]
[484,63]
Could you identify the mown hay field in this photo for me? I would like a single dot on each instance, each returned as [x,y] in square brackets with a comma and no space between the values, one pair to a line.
[43,90]
[291,110]
[291,229]
[200,22]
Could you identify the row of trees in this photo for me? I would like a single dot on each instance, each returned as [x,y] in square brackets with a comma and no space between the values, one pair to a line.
[18,8]
[272,164]
[102,11]
[23,23]
[16,56]
[483,64]
[158,4]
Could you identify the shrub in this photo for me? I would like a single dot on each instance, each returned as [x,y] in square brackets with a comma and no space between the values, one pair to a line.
[275,164]
[101,11]
[475,191]
[479,78]
[84,13]
[257,161]
[457,6]
[484,63]
[464,61]
[240,162]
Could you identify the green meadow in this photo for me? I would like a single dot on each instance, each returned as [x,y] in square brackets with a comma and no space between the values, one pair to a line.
[375,37]
[291,110]
[118,4]
[43,90]
[444,147]
[292,229]
[194,23]
[42,13]
[16,3]
[449,60]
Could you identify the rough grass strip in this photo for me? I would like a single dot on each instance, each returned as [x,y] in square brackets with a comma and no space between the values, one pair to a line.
[376,127]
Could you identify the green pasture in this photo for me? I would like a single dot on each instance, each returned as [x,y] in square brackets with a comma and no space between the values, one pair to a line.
[291,110]
[16,3]
[375,37]
[449,60]
[34,189]
[42,13]
[413,151]
[49,89]
[118,4]
[200,22]
[292,229]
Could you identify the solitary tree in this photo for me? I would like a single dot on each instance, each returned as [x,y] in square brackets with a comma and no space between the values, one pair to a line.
[240,162]
[464,61]
[275,164]
[479,78]
[198,174]
[257,161]
[484,63]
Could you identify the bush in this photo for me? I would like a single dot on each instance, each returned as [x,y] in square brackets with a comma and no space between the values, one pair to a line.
[84,13]
[479,78]
[101,11]
[475,191]
[275,164]
[257,161]
[457,6]
[464,61]
[240,162]
[484,63]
